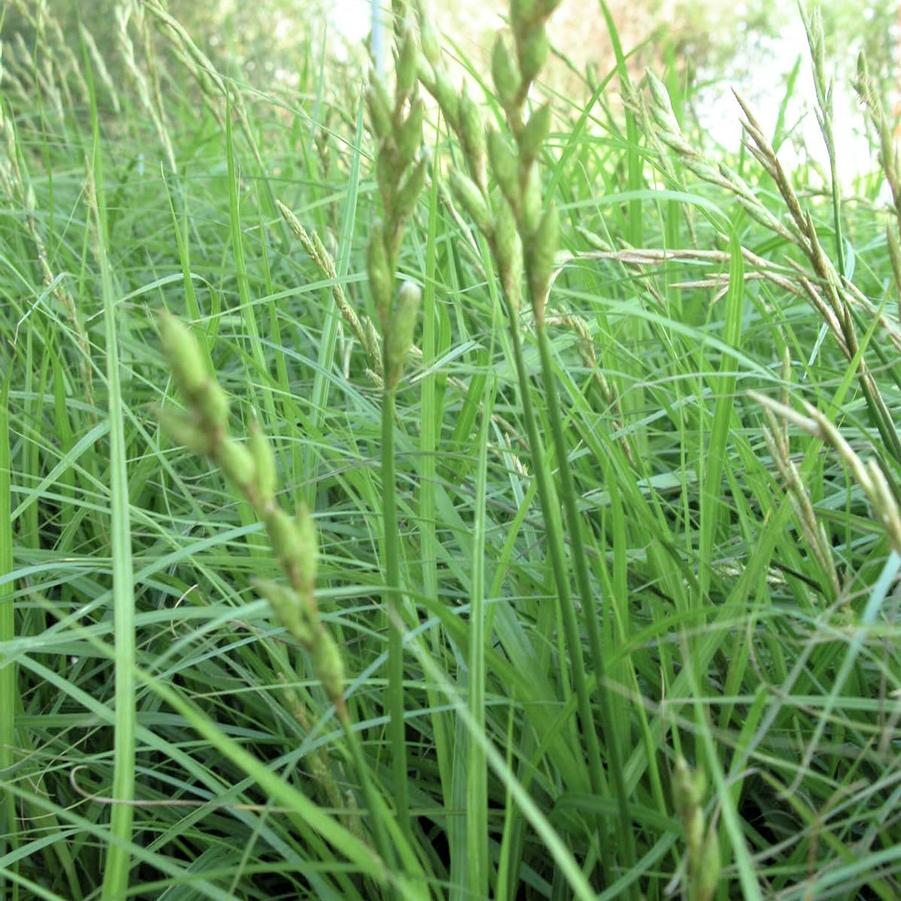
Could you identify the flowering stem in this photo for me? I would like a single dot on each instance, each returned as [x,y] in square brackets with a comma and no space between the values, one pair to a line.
[589,605]
[561,578]
[393,605]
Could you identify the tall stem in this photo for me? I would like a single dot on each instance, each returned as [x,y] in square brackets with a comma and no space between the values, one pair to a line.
[561,580]
[393,605]
[589,605]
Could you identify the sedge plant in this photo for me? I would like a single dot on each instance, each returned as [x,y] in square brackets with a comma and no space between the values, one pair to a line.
[522,230]
[251,468]
[396,123]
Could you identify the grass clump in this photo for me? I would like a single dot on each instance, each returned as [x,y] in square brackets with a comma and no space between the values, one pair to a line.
[559,556]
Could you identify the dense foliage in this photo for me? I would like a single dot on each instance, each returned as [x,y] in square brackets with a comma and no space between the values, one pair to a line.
[619,536]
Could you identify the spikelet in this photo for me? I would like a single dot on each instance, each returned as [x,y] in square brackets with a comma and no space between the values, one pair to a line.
[252,469]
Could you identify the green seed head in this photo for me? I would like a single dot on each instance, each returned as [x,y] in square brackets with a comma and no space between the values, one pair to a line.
[183,429]
[409,137]
[379,109]
[505,167]
[309,544]
[447,99]
[505,74]
[429,40]
[659,94]
[533,51]
[472,200]
[183,354]
[288,609]
[508,249]
[472,131]
[381,278]
[264,461]
[399,339]
[523,13]
[237,463]
[328,665]
[543,249]
[406,62]
[409,191]
[708,868]
[285,538]
[212,403]
[534,133]
[689,786]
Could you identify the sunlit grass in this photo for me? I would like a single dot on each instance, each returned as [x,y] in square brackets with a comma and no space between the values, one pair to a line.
[739,552]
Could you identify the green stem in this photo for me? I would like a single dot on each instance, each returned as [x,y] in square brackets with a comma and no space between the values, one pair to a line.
[589,606]
[561,580]
[393,604]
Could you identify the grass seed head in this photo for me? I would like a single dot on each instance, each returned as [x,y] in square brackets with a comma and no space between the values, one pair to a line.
[237,464]
[182,428]
[264,460]
[289,610]
[534,134]
[399,339]
[381,279]
[308,550]
[504,166]
[328,666]
[472,200]
[505,73]
[183,355]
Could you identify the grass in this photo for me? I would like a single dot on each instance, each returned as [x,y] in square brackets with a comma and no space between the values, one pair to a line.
[616,511]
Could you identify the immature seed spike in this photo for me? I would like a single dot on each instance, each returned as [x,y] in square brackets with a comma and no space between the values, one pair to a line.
[309,544]
[543,249]
[405,72]
[534,134]
[183,354]
[264,459]
[659,93]
[505,167]
[894,250]
[212,403]
[447,99]
[508,249]
[381,278]
[328,665]
[708,867]
[409,137]
[399,338]
[287,542]
[237,463]
[183,429]
[472,200]
[379,108]
[533,52]
[288,609]
[523,13]
[429,40]
[408,193]
[472,130]
[505,74]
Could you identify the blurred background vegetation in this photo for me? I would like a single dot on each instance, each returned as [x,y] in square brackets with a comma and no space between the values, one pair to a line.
[259,41]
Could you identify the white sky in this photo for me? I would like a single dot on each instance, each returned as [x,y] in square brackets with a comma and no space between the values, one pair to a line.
[764,87]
